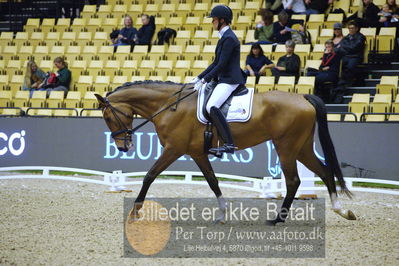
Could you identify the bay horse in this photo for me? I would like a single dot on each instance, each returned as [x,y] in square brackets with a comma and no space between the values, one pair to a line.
[287,119]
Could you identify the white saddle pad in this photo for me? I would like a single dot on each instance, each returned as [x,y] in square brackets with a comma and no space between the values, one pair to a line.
[239,111]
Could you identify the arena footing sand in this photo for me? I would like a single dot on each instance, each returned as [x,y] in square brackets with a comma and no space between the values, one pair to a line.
[71,223]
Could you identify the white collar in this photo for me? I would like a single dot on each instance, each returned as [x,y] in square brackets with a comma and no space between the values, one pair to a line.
[222,31]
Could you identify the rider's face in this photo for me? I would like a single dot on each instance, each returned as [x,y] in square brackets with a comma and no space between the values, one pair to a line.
[215,23]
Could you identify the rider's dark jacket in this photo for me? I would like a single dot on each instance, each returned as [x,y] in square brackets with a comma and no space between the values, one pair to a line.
[226,66]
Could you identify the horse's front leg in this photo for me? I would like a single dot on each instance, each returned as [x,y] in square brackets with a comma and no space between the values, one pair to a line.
[167,158]
[206,168]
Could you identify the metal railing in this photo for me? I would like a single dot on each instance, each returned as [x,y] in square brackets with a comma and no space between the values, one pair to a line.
[118,180]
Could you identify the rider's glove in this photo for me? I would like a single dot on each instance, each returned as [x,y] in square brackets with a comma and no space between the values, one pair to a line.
[199,84]
[194,80]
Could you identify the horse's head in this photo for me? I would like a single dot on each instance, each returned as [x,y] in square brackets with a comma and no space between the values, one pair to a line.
[119,119]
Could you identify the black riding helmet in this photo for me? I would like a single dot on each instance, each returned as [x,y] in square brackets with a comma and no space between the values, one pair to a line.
[222,12]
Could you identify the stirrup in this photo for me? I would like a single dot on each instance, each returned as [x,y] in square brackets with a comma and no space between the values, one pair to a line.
[227,148]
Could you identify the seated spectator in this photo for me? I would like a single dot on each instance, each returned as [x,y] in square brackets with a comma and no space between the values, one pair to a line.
[289,64]
[280,34]
[34,76]
[127,35]
[63,78]
[392,6]
[385,15]
[338,36]
[147,30]
[329,68]
[294,7]
[257,62]
[282,27]
[274,6]
[317,6]
[264,28]
[395,15]
[369,15]
[351,50]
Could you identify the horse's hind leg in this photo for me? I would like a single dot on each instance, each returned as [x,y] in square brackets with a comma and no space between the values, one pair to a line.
[309,159]
[288,164]
[167,158]
[206,168]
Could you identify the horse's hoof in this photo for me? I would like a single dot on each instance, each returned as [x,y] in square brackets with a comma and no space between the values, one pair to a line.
[133,217]
[274,222]
[219,221]
[351,215]
[347,214]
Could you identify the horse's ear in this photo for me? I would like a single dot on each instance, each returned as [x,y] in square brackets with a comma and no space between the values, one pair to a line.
[100,99]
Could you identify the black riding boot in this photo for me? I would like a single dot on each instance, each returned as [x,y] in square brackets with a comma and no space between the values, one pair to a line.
[223,130]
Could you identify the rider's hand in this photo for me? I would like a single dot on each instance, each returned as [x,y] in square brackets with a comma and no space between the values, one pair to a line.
[194,80]
[198,85]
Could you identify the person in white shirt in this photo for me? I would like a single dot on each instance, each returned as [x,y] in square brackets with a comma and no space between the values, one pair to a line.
[294,6]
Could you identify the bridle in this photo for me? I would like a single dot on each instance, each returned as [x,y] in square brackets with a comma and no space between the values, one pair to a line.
[123,128]
[130,131]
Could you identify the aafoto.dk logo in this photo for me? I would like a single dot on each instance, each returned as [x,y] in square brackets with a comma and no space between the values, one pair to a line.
[13,144]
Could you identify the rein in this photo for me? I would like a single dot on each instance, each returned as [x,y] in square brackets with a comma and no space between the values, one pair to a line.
[130,132]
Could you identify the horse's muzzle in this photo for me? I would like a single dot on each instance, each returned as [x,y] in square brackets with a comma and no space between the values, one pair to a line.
[123,149]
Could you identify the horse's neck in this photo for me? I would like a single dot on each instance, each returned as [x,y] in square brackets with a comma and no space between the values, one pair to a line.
[142,101]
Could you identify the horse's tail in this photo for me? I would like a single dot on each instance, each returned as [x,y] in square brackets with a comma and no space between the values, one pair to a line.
[327,145]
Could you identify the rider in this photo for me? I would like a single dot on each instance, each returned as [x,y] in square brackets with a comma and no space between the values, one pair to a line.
[226,70]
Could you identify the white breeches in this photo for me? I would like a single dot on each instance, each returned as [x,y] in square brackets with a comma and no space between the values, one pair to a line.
[220,94]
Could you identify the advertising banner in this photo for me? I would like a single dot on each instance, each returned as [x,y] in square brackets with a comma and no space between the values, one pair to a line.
[363,149]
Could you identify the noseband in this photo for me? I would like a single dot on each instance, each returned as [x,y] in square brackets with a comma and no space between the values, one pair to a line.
[130,131]
[123,128]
